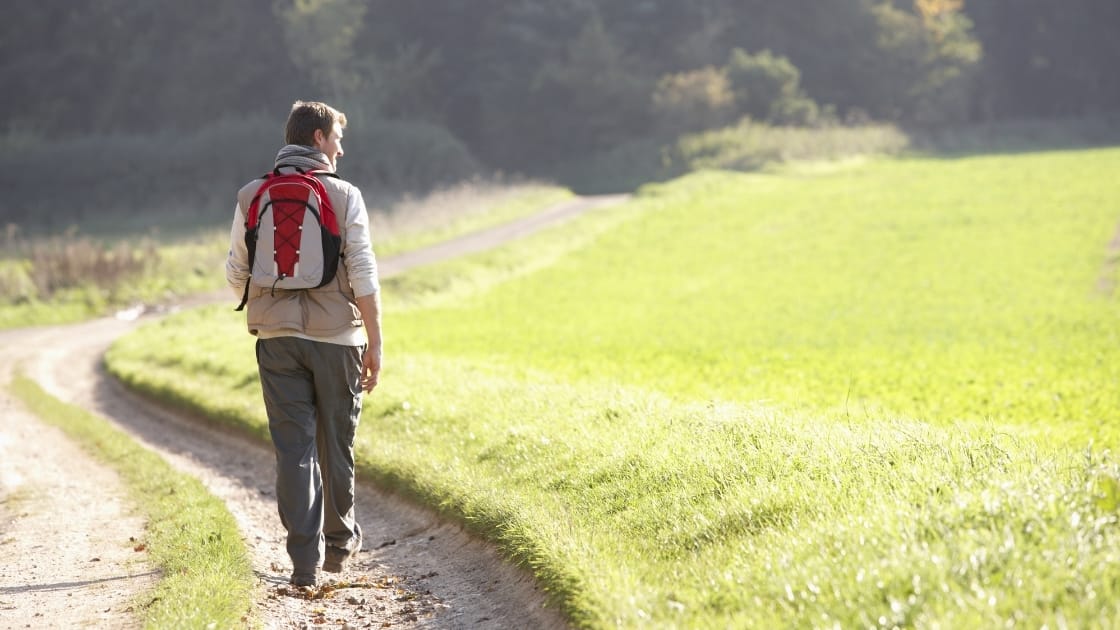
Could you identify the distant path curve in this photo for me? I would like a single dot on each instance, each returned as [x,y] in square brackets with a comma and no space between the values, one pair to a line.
[490,238]
[422,571]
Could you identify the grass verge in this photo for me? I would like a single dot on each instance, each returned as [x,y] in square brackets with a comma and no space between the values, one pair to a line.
[207,580]
[633,509]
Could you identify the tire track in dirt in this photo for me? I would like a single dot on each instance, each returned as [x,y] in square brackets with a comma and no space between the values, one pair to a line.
[415,570]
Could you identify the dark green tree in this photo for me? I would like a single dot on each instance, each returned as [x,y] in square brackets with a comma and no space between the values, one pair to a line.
[1047,58]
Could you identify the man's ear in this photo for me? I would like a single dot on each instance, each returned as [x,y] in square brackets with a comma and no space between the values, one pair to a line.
[319,138]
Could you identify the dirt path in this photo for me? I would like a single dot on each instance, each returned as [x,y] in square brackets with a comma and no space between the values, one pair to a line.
[65,533]
[415,570]
[487,239]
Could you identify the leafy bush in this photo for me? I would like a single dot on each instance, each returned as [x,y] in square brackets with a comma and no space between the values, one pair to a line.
[694,100]
[927,65]
[797,110]
[768,87]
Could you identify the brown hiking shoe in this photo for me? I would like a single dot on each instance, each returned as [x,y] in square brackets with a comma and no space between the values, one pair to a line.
[337,559]
[305,578]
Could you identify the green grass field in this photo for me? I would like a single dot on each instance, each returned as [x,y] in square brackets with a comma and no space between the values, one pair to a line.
[860,395]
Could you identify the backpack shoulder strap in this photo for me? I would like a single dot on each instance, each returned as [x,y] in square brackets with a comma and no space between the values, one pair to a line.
[250,226]
[251,211]
[244,297]
[328,217]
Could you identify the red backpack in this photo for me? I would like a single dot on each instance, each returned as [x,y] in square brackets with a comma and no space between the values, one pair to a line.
[291,232]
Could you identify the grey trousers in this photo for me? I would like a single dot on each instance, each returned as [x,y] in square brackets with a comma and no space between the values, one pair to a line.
[313,397]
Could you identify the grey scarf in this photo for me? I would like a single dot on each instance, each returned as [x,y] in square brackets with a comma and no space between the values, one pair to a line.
[304,157]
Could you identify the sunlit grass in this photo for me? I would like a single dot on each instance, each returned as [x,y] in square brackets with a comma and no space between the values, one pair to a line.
[809,399]
[633,508]
[936,289]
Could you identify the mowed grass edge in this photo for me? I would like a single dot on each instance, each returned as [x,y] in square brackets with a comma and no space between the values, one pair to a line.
[206,577]
[632,509]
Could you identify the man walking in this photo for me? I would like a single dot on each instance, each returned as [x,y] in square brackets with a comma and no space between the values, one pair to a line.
[317,350]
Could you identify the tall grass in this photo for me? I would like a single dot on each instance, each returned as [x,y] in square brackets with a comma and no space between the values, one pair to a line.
[48,280]
[50,266]
[750,146]
[808,399]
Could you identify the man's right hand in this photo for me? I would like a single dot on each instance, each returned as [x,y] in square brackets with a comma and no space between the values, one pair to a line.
[371,367]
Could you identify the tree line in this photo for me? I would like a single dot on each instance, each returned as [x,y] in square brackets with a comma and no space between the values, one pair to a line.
[540,81]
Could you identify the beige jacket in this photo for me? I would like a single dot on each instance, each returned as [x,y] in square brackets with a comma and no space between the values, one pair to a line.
[329,313]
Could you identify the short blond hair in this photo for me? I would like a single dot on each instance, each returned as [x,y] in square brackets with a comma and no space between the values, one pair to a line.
[306,117]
